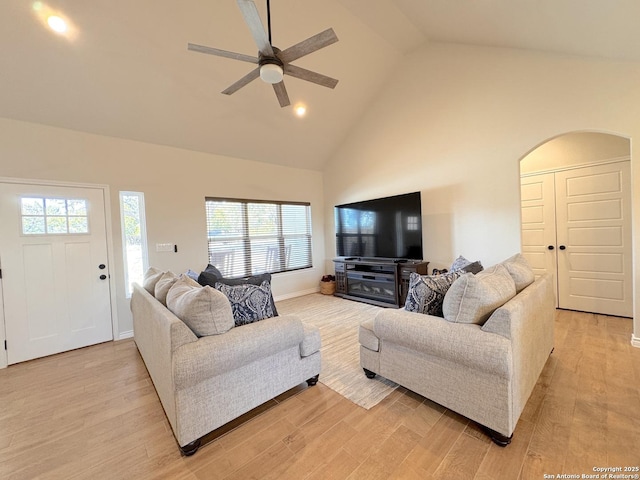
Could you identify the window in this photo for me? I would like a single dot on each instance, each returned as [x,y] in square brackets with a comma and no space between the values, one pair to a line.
[134,238]
[54,216]
[247,237]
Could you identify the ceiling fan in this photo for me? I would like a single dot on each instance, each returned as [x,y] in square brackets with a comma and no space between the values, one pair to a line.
[272,62]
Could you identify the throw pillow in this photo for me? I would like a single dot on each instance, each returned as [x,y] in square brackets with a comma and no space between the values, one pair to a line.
[163,285]
[204,310]
[473,267]
[151,277]
[465,265]
[520,270]
[211,269]
[426,292]
[191,274]
[211,278]
[249,303]
[473,298]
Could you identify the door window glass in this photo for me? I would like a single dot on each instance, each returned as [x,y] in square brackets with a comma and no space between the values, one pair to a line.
[54,216]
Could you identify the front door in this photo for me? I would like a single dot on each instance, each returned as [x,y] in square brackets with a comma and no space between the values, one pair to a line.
[53,253]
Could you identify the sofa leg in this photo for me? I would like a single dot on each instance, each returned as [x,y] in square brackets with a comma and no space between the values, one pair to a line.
[369,373]
[313,380]
[190,448]
[498,438]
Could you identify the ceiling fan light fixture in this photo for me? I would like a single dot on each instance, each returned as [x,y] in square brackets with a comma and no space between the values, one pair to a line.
[271,73]
[57,24]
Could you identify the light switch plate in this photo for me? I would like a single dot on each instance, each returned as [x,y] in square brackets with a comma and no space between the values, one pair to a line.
[164,247]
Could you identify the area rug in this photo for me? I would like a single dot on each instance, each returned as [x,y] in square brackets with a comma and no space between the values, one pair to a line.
[338,320]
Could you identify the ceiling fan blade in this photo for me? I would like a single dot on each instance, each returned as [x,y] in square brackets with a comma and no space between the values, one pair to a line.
[252,19]
[281,93]
[309,76]
[221,53]
[311,44]
[249,77]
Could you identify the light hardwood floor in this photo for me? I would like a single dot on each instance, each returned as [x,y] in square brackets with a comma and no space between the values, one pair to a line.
[94,414]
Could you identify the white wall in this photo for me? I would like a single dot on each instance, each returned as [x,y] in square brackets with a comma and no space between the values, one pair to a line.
[454,122]
[575,149]
[175,183]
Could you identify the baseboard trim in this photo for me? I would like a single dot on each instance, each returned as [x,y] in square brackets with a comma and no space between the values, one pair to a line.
[125,335]
[296,294]
[635,341]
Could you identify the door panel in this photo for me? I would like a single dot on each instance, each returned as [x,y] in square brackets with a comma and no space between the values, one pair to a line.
[594,226]
[539,223]
[54,299]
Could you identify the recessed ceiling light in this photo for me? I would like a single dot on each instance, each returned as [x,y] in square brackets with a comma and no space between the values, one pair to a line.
[57,24]
[301,110]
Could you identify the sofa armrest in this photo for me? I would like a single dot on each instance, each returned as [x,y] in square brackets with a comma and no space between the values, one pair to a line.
[217,354]
[527,320]
[311,342]
[155,324]
[464,344]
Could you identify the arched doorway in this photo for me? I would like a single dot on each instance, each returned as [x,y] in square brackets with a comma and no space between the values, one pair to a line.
[576,219]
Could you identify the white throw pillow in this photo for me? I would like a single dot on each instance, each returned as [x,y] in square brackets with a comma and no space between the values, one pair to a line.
[520,270]
[151,277]
[473,298]
[163,285]
[204,310]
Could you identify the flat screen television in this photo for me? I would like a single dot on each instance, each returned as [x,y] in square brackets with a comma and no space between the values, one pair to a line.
[389,227]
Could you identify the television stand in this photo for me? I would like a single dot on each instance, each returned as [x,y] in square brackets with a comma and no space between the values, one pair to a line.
[382,282]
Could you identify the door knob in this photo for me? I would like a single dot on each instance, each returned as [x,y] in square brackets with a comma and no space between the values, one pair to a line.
[103,277]
[562,247]
[102,266]
[550,247]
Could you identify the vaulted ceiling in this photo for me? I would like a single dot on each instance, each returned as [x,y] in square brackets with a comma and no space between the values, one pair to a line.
[123,68]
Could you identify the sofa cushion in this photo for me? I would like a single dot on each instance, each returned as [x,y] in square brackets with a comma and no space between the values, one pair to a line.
[249,303]
[203,309]
[465,265]
[426,292]
[151,277]
[473,298]
[164,283]
[520,270]
[211,278]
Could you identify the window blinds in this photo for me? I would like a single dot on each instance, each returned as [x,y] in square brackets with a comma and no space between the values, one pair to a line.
[248,237]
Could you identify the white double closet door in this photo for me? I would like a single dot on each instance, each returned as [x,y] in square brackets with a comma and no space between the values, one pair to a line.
[55,278]
[576,224]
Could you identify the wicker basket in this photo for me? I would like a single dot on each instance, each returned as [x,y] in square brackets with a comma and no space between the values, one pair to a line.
[328,288]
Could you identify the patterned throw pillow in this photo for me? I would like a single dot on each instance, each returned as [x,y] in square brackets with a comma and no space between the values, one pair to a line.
[249,303]
[209,277]
[426,292]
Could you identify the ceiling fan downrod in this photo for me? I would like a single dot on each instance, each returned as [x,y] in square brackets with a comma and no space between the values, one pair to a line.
[269,21]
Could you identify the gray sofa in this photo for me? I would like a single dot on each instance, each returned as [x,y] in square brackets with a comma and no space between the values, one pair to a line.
[484,370]
[204,382]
